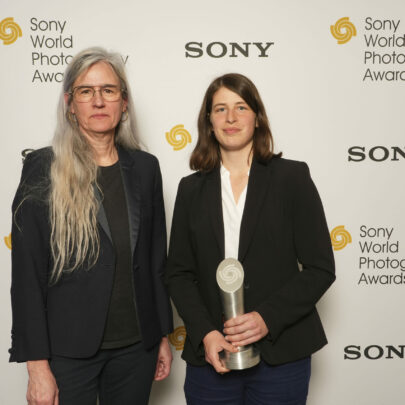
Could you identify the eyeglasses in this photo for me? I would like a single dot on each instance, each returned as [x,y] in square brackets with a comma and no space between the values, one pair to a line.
[84,94]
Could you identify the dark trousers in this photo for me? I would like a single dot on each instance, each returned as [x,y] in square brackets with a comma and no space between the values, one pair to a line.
[115,376]
[263,384]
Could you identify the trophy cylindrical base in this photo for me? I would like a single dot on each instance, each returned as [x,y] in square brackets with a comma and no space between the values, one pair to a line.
[247,356]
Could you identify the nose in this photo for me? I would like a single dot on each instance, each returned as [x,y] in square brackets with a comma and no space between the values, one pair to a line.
[98,100]
[230,116]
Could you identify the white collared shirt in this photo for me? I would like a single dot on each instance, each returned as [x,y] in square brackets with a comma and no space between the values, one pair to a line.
[232,214]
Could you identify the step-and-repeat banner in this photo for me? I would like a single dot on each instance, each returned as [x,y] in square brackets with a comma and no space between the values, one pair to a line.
[332,76]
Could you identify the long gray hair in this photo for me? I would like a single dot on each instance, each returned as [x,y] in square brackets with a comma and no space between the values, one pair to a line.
[72,199]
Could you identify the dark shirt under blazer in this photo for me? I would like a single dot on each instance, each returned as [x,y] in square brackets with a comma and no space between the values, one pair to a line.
[68,318]
[283,223]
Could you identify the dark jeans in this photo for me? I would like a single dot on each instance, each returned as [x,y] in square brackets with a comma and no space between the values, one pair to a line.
[263,384]
[116,376]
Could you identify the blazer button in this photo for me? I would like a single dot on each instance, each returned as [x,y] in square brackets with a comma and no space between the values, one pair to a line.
[246,285]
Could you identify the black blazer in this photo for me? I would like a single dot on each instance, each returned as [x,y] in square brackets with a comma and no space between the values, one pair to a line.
[283,223]
[68,318]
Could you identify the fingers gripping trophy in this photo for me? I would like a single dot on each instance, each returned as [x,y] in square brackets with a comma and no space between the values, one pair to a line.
[230,276]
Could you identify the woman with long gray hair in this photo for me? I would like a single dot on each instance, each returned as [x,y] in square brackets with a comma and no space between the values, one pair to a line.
[90,311]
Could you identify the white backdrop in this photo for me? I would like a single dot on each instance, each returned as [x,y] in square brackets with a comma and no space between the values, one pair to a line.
[323,99]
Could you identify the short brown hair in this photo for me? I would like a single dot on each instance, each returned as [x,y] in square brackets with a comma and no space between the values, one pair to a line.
[206,155]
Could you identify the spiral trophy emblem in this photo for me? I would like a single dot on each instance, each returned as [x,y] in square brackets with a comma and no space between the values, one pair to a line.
[340,237]
[7,241]
[229,274]
[343,30]
[10,31]
[178,137]
[177,337]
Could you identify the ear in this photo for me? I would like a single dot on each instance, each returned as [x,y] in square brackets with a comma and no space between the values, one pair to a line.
[124,105]
[209,119]
[66,97]
[257,123]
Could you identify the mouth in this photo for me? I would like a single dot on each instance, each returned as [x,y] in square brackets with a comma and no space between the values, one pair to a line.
[99,116]
[231,130]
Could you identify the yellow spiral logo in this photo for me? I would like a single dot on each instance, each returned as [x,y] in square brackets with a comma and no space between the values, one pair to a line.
[7,241]
[9,31]
[343,30]
[340,237]
[178,337]
[178,137]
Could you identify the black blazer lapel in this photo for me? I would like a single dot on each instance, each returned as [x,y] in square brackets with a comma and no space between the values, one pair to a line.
[132,189]
[101,217]
[258,185]
[214,197]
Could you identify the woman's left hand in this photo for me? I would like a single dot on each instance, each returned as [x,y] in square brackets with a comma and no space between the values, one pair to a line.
[164,360]
[245,329]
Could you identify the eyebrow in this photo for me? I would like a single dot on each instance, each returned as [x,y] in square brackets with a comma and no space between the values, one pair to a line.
[99,85]
[221,104]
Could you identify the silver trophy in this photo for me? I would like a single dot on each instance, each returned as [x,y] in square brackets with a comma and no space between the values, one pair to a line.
[230,277]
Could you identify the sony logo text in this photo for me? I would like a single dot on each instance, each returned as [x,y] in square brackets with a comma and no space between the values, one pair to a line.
[231,50]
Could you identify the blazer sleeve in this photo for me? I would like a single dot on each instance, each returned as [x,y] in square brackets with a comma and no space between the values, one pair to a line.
[297,298]
[30,263]
[181,269]
[158,255]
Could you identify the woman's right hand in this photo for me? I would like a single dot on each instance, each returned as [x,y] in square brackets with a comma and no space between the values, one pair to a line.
[42,388]
[214,342]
